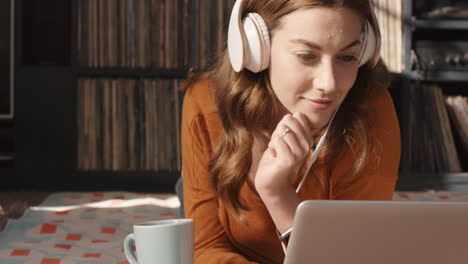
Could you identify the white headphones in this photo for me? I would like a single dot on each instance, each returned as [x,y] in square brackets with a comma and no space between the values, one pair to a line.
[249,45]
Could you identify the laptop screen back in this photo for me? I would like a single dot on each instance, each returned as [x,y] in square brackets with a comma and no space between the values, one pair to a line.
[384,232]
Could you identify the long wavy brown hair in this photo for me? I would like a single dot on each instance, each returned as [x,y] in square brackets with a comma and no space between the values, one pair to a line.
[249,108]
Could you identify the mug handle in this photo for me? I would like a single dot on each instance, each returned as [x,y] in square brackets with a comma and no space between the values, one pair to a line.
[130,239]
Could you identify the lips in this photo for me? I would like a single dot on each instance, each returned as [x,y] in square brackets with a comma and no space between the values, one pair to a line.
[319,104]
[321,101]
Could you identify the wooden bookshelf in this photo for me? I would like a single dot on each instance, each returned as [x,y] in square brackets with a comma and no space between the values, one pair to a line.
[99,46]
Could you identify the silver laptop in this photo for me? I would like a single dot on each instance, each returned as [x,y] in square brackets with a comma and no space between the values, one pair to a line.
[379,232]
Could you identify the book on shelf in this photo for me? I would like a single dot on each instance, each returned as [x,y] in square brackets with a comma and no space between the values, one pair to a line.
[128,124]
[133,34]
[458,111]
[454,9]
[431,140]
[151,33]
[210,20]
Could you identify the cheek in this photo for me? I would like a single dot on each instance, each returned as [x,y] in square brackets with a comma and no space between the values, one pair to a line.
[346,81]
[287,85]
[283,76]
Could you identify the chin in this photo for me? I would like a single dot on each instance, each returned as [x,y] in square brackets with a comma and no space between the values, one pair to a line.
[318,122]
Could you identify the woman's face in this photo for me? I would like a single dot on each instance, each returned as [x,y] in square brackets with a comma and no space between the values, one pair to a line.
[314,63]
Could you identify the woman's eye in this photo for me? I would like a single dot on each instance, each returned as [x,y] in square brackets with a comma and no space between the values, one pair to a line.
[348,58]
[305,56]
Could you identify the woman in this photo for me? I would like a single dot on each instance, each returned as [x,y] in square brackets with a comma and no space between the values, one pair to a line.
[249,134]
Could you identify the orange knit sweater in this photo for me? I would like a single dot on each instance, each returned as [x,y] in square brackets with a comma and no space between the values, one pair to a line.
[219,237]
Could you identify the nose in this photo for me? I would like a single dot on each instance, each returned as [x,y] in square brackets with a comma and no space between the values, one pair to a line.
[325,76]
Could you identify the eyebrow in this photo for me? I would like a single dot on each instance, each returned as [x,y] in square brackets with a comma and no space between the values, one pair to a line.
[316,46]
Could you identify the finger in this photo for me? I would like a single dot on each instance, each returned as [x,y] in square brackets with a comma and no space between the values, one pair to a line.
[299,132]
[282,150]
[298,146]
[280,128]
[298,143]
[304,122]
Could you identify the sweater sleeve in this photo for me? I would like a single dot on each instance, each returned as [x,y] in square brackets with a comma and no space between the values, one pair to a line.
[200,198]
[377,180]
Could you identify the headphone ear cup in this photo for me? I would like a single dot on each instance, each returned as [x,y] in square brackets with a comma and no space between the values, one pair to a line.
[235,38]
[369,44]
[248,41]
[258,43]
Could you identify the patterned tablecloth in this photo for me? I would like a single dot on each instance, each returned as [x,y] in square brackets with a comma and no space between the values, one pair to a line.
[78,228]
[81,227]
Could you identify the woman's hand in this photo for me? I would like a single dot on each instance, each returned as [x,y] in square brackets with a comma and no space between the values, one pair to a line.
[290,143]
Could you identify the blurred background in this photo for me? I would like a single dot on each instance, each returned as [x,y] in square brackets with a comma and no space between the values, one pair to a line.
[89,95]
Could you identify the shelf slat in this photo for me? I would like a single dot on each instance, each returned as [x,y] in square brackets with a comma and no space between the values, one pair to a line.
[138,172]
[132,73]
[452,24]
[442,76]
[4,157]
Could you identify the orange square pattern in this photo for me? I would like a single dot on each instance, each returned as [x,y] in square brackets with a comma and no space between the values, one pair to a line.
[50,261]
[108,230]
[20,252]
[92,255]
[64,246]
[48,229]
[76,237]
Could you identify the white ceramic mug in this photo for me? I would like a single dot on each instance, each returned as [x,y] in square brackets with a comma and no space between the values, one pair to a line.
[164,241]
